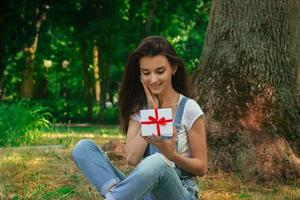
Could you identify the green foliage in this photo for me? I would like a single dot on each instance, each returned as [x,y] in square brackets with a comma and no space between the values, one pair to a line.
[50,173]
[64,191]
[20,122]
[110,115]
[116,26]
[245,196]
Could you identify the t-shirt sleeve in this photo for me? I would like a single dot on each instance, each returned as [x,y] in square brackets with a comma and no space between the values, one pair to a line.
[191,112]
[136,116]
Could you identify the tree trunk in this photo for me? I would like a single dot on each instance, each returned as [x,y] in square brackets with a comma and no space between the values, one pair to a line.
[151,14]
[42,90]
[96,57]
[87,82]
[2,66]
[107,80]
[104,74]
[246,83]
[27,84]
[104,88]
[105,83]
[295,41]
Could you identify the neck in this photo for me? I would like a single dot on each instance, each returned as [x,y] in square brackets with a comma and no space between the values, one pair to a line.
[168,98]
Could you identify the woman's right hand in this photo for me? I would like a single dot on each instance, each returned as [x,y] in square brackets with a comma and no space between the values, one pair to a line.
[151,98]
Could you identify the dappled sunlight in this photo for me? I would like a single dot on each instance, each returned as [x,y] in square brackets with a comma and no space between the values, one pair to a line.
[78,135]
[70,139]
[68,135]
[218,195]
[225,182]
[34,162]
[44,172]
[32,173]
[223,186]
[258,111]
[277,152]
[13,157]
[292,191]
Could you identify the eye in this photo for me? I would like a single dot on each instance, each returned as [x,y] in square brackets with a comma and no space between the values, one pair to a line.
[160,71]
[145,73]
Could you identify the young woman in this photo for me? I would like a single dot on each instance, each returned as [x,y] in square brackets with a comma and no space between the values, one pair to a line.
[166,169]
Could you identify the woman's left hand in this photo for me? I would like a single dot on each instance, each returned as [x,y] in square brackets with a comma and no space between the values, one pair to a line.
[166,147]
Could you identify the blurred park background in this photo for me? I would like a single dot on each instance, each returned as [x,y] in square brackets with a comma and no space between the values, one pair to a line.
[69,56]
[61,64]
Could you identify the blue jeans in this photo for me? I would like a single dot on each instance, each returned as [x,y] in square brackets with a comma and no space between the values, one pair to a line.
[153,175]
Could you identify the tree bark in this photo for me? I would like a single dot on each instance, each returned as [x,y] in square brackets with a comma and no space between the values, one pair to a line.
[105,84]
[96,57]
[87,82]
[2,66]
[151,14]
[246,83]
[295,41]
[104,80]
[27,84]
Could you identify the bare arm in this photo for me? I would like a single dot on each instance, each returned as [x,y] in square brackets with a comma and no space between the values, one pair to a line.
[135,145]
[197,164]
[197,141]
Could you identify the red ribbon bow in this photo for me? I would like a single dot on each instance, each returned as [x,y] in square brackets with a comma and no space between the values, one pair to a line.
[158,121]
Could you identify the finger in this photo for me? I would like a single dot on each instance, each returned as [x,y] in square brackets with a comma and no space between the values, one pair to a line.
[156,143]
[174,137]
[174,129]
[148,94]
[147,139]
[151,98]
[155,136]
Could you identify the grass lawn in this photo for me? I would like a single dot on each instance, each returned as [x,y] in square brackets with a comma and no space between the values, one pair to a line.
[38,172]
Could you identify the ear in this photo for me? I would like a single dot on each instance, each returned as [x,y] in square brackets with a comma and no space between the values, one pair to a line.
[174,70]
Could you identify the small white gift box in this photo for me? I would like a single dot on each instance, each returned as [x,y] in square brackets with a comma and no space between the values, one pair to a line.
[157,121]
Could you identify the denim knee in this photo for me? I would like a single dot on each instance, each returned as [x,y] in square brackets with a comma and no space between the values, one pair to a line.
[152,164]
[80,149]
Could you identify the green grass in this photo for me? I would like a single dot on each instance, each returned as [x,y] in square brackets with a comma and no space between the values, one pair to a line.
[49,173]
[21,122]
[69,135]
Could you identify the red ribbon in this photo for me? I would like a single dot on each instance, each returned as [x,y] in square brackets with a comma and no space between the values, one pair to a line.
[158,121]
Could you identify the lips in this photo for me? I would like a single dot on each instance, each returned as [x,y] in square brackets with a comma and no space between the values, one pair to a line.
[156,87]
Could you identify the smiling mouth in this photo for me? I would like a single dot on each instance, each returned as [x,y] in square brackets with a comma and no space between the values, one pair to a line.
[155,87]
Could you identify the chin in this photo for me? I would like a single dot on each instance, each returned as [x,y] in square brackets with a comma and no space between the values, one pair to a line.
[156,92]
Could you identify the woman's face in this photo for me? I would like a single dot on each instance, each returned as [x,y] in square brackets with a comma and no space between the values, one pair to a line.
[156,73]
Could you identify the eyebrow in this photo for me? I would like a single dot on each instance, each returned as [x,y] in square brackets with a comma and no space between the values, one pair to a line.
[155,69]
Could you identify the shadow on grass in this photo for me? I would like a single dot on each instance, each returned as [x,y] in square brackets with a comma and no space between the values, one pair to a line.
[50,173]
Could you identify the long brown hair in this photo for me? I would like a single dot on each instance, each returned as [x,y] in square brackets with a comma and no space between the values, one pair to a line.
[132,97]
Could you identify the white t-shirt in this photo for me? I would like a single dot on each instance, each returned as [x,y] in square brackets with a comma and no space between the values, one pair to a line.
[191,112]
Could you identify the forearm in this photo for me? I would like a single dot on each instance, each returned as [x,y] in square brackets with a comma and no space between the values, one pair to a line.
[192,165]
[135,149]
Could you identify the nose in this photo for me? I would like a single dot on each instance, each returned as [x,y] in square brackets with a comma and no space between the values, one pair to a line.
[153,79]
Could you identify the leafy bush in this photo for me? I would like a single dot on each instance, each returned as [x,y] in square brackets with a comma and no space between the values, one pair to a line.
[110,115]
[20,122]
